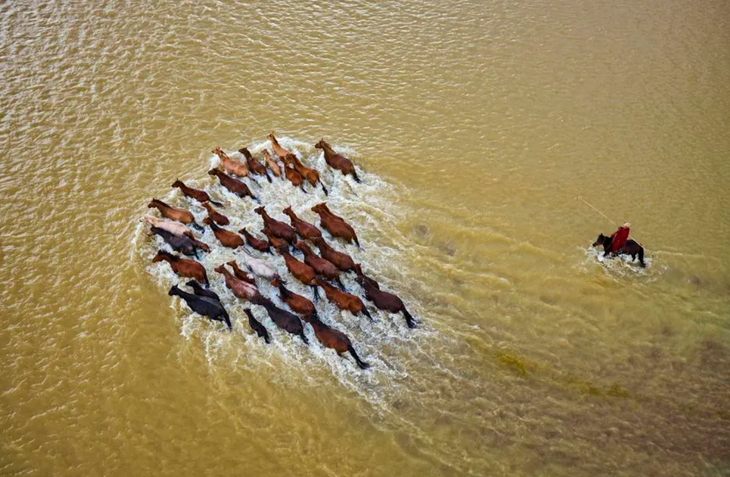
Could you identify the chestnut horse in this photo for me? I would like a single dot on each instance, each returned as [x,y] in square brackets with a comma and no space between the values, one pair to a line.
[255,166]
[301,271]
[335,225]
[229,165]
[255,243]
[240,288]
[341,260]
[344,300]
[183,267]
[294,177]
[226,237]
[307,172]
[278,150]
[384,300]
[274,241]
[257,326]
[320,265]
[271,163]
[334,339]
[217,217]
[304,229]
[197,194]
[174,213]
[205,306]
[337,161]
[234,185]
[631,247]
[296,302]
[240,274]
[277,228]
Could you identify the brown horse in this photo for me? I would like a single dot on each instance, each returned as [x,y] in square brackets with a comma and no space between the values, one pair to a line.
[234,185]
[296,302]
[304,229]
[288,322]
[278,150]
[335,225]
[226,237]
[277,228]
[255,166]
[294,177]
[241,289]
[197,194]
[341,260]
[216,216]
[170,212]
[171,226]
[255,243]
[344,300]
[307,172]
[384,300]
[271,163]
[183,267]
[275,241]
[301,271]
[366,279]
[337,161]
[236,168]
[334,339]
[320,265]
[240,274]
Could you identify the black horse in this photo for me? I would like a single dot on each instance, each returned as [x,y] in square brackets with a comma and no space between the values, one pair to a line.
[630,248]
[204,306]
[257,326]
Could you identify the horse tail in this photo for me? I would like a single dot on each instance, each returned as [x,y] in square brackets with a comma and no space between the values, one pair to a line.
[268,177]
[301,186]
[641,256]
[323,187]
[255,199]
[227,320]
[409,319]
[304,338]
[197,227]
[216,203]
[357,242]
[360,363]
[367,313]
[354,176]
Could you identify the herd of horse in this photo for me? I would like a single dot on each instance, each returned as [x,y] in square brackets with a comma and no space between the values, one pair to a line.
[176,226]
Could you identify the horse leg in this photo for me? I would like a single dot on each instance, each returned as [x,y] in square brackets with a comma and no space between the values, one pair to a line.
[315,292]
[340,284]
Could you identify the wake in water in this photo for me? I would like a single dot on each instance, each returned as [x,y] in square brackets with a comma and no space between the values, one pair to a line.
[365,204]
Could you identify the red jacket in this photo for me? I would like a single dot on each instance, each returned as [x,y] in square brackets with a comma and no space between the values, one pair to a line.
[619,238]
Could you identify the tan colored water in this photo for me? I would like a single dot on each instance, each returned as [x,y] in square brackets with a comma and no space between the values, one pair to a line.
[477,125]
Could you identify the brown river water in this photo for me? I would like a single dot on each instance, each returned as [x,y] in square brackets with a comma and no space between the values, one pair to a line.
[476,125]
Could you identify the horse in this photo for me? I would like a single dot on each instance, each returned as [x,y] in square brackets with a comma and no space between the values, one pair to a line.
[209,307]
[337,161]
[368,280]
[217,217]
[173,227]
[200,291]
[321,266]
[259,267]
[278,150]
[271,163]
[335,225]
[234,185]
[274,241]
[229,165]
[296,302]
[630,248]
[255,243]
[197,194]
[301,271]
[344,300]
[257,326]
[294,177]
[240,274]
[184,244]
[277,228]
[254,166]
[384,300]
[334,339]
[183,267]
[174,213]
[341,260]
[304,229]
[240,288]
[226,237]
[307,172]
[288,322]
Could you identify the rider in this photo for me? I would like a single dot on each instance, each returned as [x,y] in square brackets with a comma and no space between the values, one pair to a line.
[619,237]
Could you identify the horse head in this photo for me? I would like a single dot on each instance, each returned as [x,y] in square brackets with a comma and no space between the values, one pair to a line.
[601,240]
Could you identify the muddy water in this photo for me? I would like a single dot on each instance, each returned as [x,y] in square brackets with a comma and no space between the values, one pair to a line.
[475,125]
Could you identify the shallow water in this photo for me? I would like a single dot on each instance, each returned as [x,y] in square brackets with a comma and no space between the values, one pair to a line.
[475,125]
